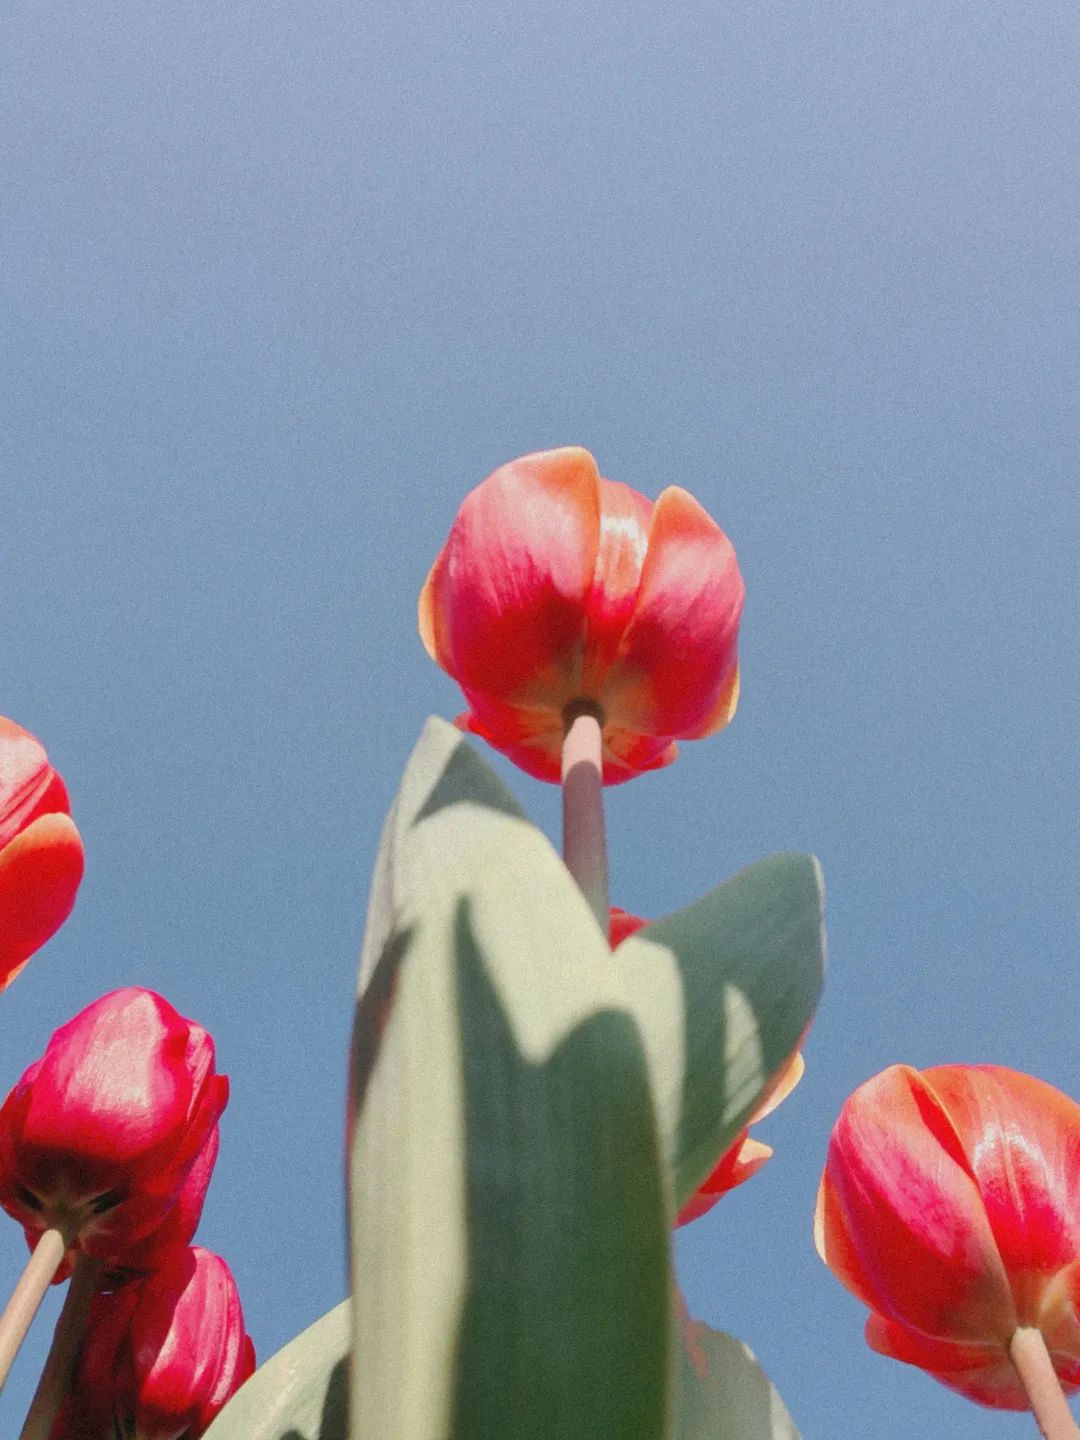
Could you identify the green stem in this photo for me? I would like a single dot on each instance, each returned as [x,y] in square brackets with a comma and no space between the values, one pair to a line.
[28,1295]
[584,841]
[1028,1352]
[70,1328]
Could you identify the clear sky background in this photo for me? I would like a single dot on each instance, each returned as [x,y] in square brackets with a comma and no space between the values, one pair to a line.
[282,281]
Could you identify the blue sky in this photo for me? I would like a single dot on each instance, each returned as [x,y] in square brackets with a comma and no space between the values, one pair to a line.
[282,282]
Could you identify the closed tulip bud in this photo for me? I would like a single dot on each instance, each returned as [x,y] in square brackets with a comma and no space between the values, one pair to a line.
[102,1134]
[161,1356]
[556,588]
[41,854]
[745,1156]
[950,1206]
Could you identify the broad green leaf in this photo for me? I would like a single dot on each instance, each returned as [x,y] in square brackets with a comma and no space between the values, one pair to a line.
[508,1202]
[723,990]
[472,1161]
[298,1394]
[722,1393]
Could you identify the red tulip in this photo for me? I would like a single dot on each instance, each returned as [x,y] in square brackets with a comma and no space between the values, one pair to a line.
[744,1156]
[556,586]
[162,1356]
[950,1205]
[41,854]
[101,1135]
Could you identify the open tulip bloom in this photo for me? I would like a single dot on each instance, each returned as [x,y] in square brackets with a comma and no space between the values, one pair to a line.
[557,587]
[41,854]
[589,630]
[950,1205]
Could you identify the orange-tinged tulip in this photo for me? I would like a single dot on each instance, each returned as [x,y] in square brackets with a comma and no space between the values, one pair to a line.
[950,1205]
[41,854]
[745,1156]
[556,586]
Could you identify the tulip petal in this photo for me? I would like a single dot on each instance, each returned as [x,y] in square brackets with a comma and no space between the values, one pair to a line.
[737,1165]
[187,1339]
[29,786]
[900,1219]
[1022,1140]
[675,673]
[621,925]
[181,1222]
[502,608]
[724,706]
[40,871]
[162,1355]
[745,1157]
[531,739]
[780,1086]
[983,1373]
[624,540]
[627,753]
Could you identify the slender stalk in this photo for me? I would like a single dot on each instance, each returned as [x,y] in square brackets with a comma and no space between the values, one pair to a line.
[56,1377]
[584,841]
[28,1295]
[1028,1352]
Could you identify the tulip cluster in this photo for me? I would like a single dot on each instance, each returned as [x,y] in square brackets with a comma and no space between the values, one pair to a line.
[110,1140]
[107,1146]
[590,630]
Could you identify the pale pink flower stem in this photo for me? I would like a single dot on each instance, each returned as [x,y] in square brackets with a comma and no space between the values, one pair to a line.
[55,1379]
[1028,1352]
[28,1295]
[584,841]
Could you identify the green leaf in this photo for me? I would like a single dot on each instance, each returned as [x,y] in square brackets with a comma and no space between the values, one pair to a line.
[723,991]
[507,1201]
[298,1394]
[722,1393]
[507,1197]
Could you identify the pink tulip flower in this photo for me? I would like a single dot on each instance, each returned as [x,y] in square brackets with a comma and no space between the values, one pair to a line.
[950,1206]
[556,587]
[100,1136]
